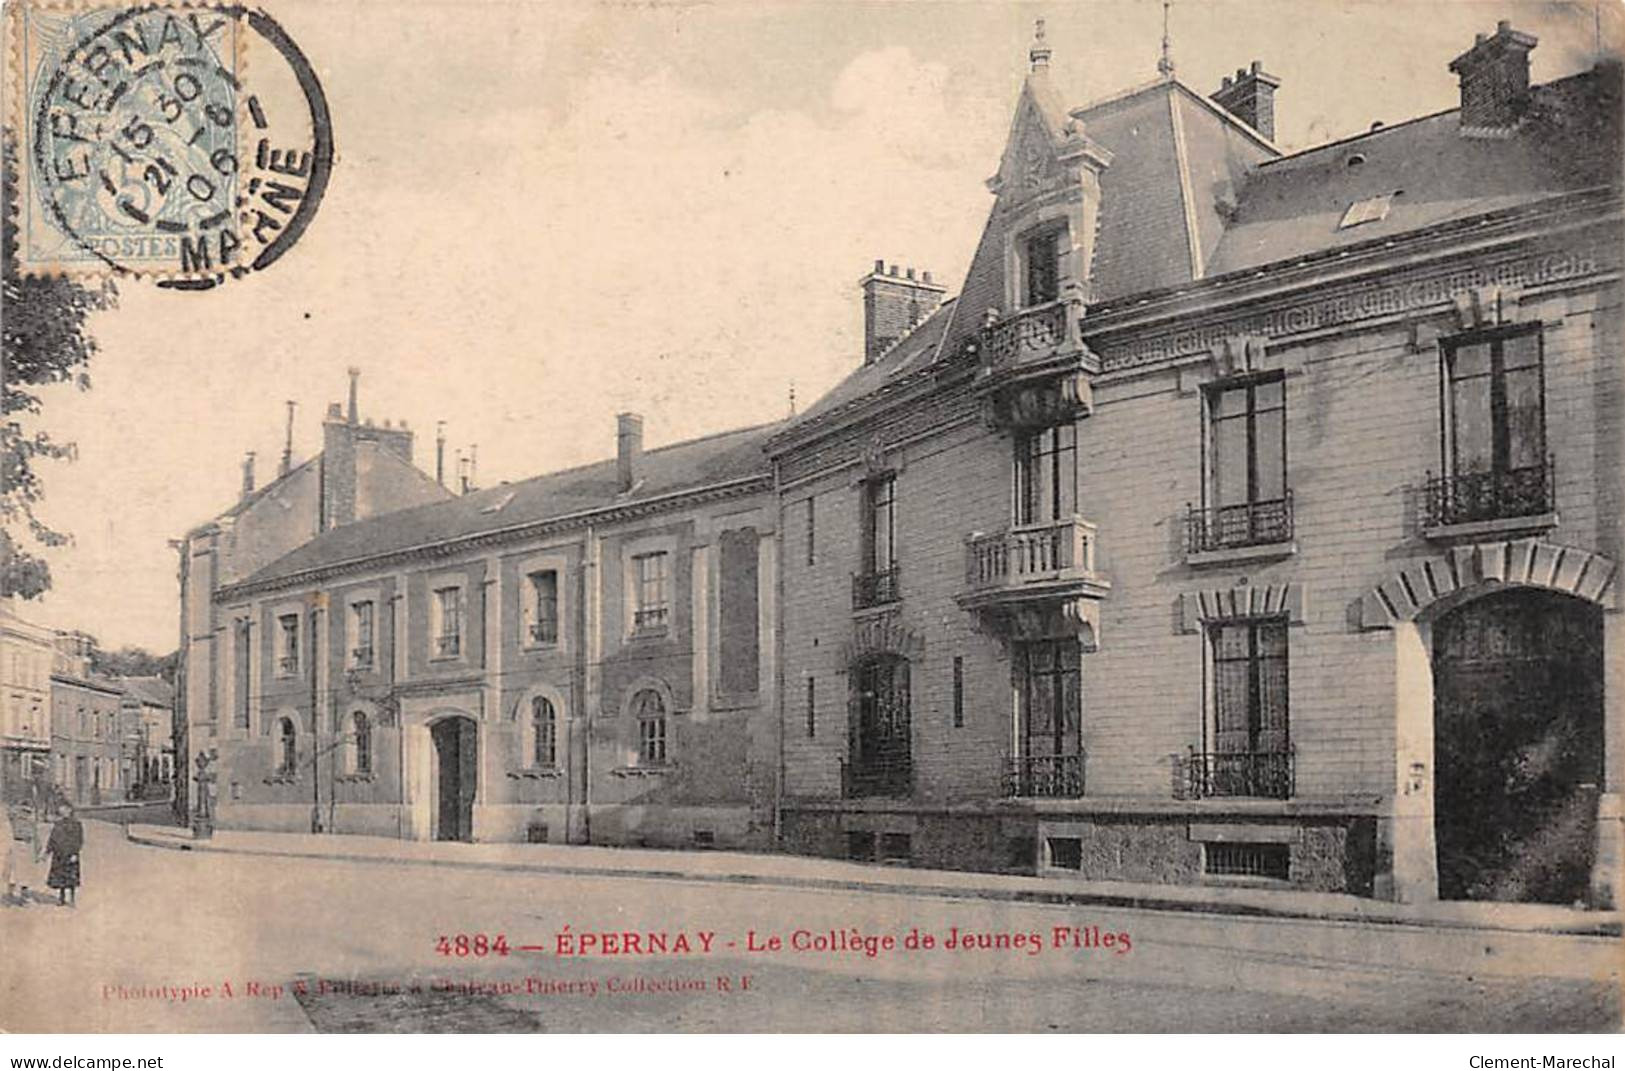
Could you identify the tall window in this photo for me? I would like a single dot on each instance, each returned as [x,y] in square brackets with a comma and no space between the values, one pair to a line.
[812,531]
[288,662]
[242,677]
[1043,267]
[1246,485]
[288,753]
[544,606]
[543,733]
[650,711]
[1250,687]
[876,581]
[361,744]
[449,622]
[361,629]
[1495,429]
[651,591]
[880,755]
[1047,475]
[1048,758]
[959,692]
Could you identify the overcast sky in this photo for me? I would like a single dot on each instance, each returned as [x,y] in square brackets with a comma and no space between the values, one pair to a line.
[542,214]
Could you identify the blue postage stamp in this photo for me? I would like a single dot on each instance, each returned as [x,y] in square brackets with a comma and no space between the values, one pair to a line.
[145,149]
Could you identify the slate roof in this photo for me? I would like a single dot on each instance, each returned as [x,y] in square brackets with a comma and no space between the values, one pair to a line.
[691,465]
[154,691]
[1250,207]
[913,351]
[1291,207]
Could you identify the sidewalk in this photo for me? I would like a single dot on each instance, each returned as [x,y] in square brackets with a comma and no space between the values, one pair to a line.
[801,872]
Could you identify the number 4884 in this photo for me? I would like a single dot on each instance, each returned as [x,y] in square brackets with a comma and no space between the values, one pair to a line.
[463,945]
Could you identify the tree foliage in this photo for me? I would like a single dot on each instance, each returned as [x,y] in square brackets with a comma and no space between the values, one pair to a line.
[132,662]
[44,342]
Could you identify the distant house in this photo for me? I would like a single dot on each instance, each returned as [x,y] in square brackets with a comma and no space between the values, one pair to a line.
[26,653]
[149,755]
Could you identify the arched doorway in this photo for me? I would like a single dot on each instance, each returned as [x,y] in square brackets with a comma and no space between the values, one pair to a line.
[456,752]
[1518,745]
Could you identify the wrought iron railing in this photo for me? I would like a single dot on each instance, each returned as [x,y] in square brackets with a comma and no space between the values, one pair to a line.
[1031,333]
[1048,776]
[650,619]
[1029,552]
[449,645]
[289,664]
[361,658]
[1490,496]
[1262,774]
[1248,524]
[888,774]
[875,589]
[544,632]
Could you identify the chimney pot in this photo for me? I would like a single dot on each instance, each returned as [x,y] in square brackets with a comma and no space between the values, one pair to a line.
[1258,65]
[1226,82]
[1241,73]
[1494,76]
[248,474]
[628,449]
[893,302]
[355,376]
[880,267]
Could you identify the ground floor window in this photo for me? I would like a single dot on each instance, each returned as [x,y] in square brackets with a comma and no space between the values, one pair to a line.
[1049,720]
[650,711]
[879,746]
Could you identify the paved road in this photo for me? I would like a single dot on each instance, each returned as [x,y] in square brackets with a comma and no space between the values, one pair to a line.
[361,939]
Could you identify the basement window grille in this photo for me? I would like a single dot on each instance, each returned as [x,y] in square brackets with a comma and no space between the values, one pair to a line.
[1249,860]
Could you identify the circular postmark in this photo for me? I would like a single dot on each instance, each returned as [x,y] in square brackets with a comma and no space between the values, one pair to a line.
[193,144]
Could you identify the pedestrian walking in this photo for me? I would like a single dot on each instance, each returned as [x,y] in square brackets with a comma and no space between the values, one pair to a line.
[67,840]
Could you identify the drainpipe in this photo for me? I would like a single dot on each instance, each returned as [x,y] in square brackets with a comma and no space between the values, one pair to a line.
[590,591]
[315,732]
[778,657]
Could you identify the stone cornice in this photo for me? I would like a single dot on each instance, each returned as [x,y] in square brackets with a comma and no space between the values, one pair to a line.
[515,533]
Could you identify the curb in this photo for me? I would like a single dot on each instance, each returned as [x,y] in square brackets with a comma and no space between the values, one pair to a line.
[1060,896]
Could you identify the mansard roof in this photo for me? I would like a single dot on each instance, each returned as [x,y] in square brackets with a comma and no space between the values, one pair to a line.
[1192,193]
[1429,172]
[578,494]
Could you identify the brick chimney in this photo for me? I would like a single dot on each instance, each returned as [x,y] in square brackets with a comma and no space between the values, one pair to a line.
[894,300]
[1494,79]
[628,450]
[1250,97]
[248,474]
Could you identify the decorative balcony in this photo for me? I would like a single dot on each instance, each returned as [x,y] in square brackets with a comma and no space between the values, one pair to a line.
[1476,503]
[886,775]
[544,632]
[875,589]
[361,658]
[1044,777]
[1035,366]
[448,646]
[1036,581]
[1258,774]
[288,665]
[1249,529]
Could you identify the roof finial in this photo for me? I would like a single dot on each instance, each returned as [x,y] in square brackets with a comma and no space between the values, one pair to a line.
[1040,52]
[1165,63]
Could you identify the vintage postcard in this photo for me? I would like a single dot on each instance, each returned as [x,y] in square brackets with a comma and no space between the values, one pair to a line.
[814,517]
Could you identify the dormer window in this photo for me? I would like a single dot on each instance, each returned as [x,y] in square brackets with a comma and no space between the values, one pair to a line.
[1041,275]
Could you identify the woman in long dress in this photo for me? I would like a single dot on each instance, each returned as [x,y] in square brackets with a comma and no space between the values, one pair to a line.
[67,840]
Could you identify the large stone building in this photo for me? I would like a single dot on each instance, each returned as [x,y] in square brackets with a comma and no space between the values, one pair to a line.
[26,654]
[1247,516]
[583,656]
[362,470]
